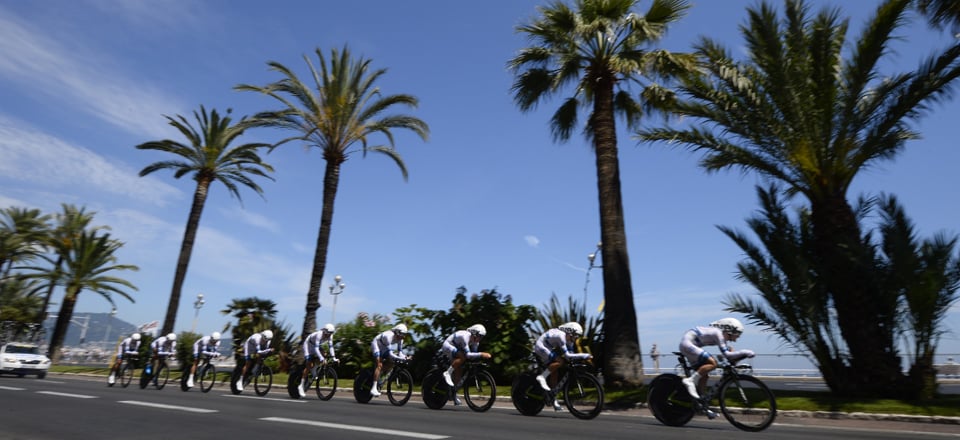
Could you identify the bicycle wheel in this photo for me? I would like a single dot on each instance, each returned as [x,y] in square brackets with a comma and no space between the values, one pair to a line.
[527,395]
[263,381]
[163,375]
[326,383]
[144,379]
[434,389]
[234,377]
[183,379]
[362,385]
[747,403]
[583,395]
[293,381]
[126,374]
[400,387]
[208,375]
[669,401]
[480,391]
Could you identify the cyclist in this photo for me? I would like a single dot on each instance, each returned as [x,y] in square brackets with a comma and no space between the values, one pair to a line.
[384,356]
[311,352]
[460,346]
[258,344]
[717,333]
[163,346]
[128,346]
[554,348]
[207,346]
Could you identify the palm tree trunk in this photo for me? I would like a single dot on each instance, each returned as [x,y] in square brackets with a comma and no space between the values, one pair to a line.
[63,323]
[42,315]
[623,363]
[331,180]
[866,319]
[186,249]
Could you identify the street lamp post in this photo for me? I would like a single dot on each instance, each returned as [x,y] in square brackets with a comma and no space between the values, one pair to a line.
[335,290]
[106,336]
[591,257]
[196,313]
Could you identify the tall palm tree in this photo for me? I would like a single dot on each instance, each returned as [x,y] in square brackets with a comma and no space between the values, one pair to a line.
[338,112]
[86,265]
[799,112]
[207,158]
[68,226]
[599,48]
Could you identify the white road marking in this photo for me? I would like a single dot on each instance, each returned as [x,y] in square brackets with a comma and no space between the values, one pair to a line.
[388,432]
[12,388]
[162,406]
[78,396]
[264,398]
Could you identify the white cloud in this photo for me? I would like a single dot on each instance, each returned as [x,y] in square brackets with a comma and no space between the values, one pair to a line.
[251,218]
[85,80]
[39,159]
[532,240]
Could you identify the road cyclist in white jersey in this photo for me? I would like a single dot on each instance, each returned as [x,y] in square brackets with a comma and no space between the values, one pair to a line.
[460,346]
[718,333]
[312,355]
[206,346]
[554,348]
[384,355]
[258,344]
[129,346]
[163,346]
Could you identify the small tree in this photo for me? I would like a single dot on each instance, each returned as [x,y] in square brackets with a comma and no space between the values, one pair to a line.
[508,336]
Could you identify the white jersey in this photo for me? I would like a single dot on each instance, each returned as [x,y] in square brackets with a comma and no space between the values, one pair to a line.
[693,341]
[127,346]
[163,346]
[552,344]
[206,345]
[381,345]
[311,345]
[256,343]
[459,342]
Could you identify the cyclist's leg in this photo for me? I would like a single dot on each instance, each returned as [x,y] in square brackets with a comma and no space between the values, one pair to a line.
[457,364]
[377,370]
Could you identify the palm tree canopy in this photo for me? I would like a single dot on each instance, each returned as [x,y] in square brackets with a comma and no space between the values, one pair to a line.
[341,108]
[595,42]
[209,156]
[797,110]
[941,14]
[87,264]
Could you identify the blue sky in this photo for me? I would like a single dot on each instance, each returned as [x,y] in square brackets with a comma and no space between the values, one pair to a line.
[491,200]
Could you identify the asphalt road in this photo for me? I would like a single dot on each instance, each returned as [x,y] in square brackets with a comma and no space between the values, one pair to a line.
[64,406]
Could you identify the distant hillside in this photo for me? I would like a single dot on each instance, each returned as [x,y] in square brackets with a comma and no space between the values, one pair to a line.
[101,328]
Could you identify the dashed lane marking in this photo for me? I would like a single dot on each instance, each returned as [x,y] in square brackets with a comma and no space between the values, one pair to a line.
[173,407]
[392,433]
[77,396]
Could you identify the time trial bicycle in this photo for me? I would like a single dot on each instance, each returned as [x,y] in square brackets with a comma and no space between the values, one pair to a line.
[321,377]
[479,388]
[158,375]
[398,384]
[126,371]
[578,388]
[744,400]
[259,373]
[205,375]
